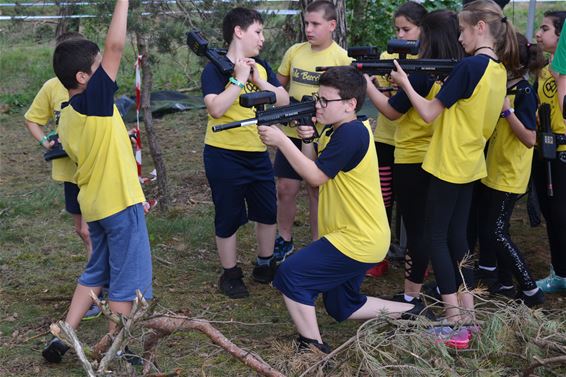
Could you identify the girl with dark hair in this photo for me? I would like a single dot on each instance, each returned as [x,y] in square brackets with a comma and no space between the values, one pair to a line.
[407,19]
[509,159]
[467,108]
[439,40]
[553,208]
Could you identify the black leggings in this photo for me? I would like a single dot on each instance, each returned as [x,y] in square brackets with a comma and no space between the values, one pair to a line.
[385,156]
[496,246]
[411,193]
[553,208]
[446,220]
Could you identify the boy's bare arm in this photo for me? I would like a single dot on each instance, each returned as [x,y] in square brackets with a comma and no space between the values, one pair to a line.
[115,39]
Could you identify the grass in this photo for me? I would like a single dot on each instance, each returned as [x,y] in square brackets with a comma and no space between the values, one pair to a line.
[41,256]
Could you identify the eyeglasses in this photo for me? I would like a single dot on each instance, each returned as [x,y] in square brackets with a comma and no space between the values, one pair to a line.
[323,101]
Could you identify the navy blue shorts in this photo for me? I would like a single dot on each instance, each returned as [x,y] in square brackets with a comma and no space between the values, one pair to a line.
[243,188]
[121,256]
[71,202]
[282,167]
[322,268]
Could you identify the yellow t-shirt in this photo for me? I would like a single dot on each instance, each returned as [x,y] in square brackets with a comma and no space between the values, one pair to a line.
[508,159]
[243,138]
[46,106]
[385,128]
[473,97]
[95,137]
[547,91]
[413,134]
[351,213]
[299,63]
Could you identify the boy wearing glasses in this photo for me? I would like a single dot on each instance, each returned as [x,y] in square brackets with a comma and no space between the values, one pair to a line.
[354,232]
[297,70]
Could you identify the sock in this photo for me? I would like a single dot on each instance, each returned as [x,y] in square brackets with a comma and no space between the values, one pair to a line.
[232,269]
[487,268]
[438,290]
[408,298]
[506,287]
[531,292]
[263,261]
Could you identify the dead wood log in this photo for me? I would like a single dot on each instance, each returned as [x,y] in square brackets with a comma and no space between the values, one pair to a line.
[166,325]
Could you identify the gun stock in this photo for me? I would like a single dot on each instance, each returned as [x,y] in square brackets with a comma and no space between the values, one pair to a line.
[436,67]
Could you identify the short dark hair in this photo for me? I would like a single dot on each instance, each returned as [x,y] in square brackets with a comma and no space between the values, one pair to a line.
[72,56]
[412,11]
[328,9]
[439,36]
[349,82]
[242,17]
[557,19]
[68,35]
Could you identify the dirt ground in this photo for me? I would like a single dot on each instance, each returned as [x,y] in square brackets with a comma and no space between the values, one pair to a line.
[41,258]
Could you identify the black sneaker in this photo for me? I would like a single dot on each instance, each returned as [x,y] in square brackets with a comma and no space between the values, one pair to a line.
[264,274]
[531,301]
[303,345]
[488,279]
[232,285]
[54,350]
[400,297]
[431,290]
[419,309]
[130,357]
[499,289]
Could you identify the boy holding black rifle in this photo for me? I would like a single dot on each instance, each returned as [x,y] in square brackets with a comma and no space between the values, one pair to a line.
[352,220]
[111,199]
[236,162]
[297,70]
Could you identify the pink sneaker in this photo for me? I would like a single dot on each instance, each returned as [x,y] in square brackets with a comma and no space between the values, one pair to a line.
[457,339]
[378,270]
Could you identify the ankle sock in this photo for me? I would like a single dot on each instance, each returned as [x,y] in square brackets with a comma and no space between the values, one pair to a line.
[408,298]
[486,268]
[506,287]
[531,292]
[264,261]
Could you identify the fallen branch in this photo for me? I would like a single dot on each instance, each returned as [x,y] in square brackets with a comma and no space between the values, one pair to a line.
[63,331]
[543,362]
[166,325]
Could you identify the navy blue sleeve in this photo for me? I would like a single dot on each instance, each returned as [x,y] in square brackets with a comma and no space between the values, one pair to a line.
[98,97]
[463,80]
[346,149]
[422,83]
[525,105]
[212,80]
[271,76]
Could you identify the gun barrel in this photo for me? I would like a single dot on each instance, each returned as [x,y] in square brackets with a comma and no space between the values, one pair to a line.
[241,123]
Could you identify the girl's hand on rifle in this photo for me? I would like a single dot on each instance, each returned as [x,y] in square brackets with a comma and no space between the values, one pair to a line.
[271,135]
[399,76]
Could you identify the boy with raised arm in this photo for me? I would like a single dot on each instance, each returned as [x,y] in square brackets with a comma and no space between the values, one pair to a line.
[354,232]
[111,199]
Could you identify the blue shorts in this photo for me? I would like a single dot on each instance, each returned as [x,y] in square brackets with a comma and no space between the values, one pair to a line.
[121,257]
[322,268]
[71,198]
[282,167]
[243,188]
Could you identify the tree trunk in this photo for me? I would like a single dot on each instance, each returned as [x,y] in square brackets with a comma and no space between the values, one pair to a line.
[154,148]
[66,24]
[340,32]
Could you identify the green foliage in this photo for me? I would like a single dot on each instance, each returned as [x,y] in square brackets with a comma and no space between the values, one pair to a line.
[370,22]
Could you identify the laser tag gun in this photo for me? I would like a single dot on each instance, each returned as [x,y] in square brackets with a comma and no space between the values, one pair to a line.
[56,150]
[547,144]
[525,90]
[199,45]
[437,67]
[301,112]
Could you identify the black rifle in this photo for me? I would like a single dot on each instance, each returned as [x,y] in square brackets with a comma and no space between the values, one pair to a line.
[56,150]
[302,112]
[367,60]
[547,144]
[199,45]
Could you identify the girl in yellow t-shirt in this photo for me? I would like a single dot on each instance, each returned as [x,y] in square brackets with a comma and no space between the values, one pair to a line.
[439,40]
[509,158]
[468,108]
[407,19]
[552,208]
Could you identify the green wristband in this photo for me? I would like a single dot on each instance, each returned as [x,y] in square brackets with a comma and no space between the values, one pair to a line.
[43,140]
[237,82]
